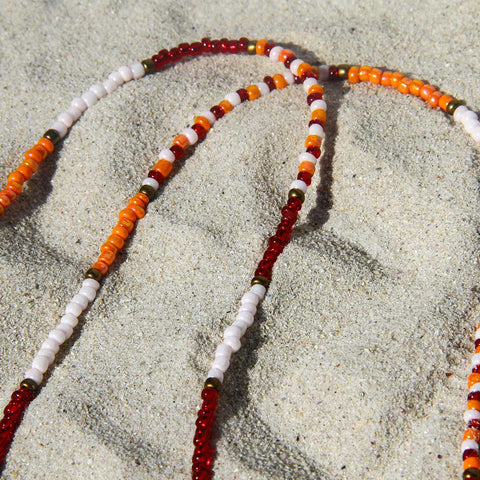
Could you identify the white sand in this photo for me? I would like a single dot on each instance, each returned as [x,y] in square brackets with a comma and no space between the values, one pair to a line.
[345,374]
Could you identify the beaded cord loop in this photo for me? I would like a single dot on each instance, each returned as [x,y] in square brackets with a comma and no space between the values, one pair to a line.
[298,71]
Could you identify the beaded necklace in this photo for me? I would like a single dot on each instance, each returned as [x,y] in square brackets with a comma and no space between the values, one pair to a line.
[299,72]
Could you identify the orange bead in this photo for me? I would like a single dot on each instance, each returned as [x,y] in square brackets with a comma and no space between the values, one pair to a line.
[164,167]
[10,194]
[396,78]
[434,98]
[102,267]
[226,105]
[137,201]
[4,200]
[353,75]
[203,122]
[108,247]
[313,141]
[260,47]
[107,257]
[253,92]
[127,214]
[477,350]
[27,172]
[36,153]
[279,81]
[386,78]
[139,211]
[471,434]
[32,164]
[181,140]
[46,144]
[121,231]
[303,68]
[284,54]
[472,462]
[116,241]
[320,115]
[308,167]
[404,85]
[2,209]
[14,187]
[426,91]
[375,76]
[315,89]
[364,72]
[473,378]
[144,198]
[473,405]
[16,177]
[415,87]
[127,224]
[444,101]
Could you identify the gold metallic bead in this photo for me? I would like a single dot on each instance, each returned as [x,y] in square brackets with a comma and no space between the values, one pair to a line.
[259,280]
[212,382]
[343,72]
[296,193]
[53,136]
[453,104]
[94,273]
[149,66]
[148,190]
[29,383]
[252,47]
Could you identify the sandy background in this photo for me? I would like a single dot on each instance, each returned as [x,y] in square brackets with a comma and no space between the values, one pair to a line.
[358,363]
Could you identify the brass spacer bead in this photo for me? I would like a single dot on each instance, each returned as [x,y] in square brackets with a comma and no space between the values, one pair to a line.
[343,71]
[149,65]
[471,474]
[453,104]
[29,383]
[259,280]
[148,190]
[252,47]
[296,193]
[212,382]
[94,273]
[52,135]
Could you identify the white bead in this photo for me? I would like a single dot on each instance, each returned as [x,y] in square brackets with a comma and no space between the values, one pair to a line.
[74,308]
[50,344]
[126,73]
[469,445]
[167,154]
[79,103]
[475,387]
[46,352]
[209,116]
[471,415]
[318,105]
[234,342]
[35,375]
[249,308]
[98,90]
[289,78]
[469,115]
[470,124]
[191,135]
[117,78]
[316,129]
[307,157]
[152,182]
[88,292]
[222,363]
[223,350]
[295,64]
[61,128]
[476,359]
[246,317]
[477,334]
[234,99]
[475,134]
[82,300]
[90,98]
[66,329]
[57,335]
[275,53]
[263,87]
[323,72]
[70,320]
[299,185]
[249,297]
[309,82]
[138,70]
[65,118]
[459,113]
[92,283]
[41,363]
[215,373]
[259,290]
[109,85]
[241,325]
[74,112]
[232,331]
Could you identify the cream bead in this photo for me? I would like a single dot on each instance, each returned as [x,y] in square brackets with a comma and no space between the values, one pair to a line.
[126,73]
[90,98]
[137,70]
[275,53]
[109,85]
[294,66]
[34,375]
[60,127]
[151,182]
[167,154]
[258,290]
[263,87]
[216,373]
[98,90]
[234,99]
[299,185]
[79,103]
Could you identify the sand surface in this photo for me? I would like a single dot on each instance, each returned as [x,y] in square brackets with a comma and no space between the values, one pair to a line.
[357,365]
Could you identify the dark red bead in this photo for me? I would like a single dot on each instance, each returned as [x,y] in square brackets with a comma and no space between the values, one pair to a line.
[14,410]
[174,55]
[316,122]
[476,369]
[7,425]
[209,394]
[474,396]
[275,242]
[305,177]
[295,203]
[270,256]
[23,395]
[284,233]
[196,49]
[199,130]
[206,45]
[313,96]
[203,475]
[243,94]
[315,151]
[161,59]
[309,74]
[298,80]
[289,213]
[332,72]
[477,342]
[218,111]
[215,46]
[289,60]
[156,176]
[469,453]
[243,44]
[184,49]
[269,81]
[224,45]
[233,46]
[268,48]
[474,423]
[177,151]
[264,272]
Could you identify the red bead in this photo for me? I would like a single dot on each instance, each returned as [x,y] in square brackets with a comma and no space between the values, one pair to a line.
[23,394]
[195,49]
[156,176]
[233,46]
[469,453]
[184,49]
[289,213]
[177,151]
[315,151]
[477,342]
[476,369]
[313,96]
[309,74]
[14,410]
[295,202]
[206,44]
[474,423]
[269,81]
[305,177]
[474,396]
[243,44]
[199,130]
[289,60]
[217,111]
[332,72]
[298,80]
[243,94]
[275,242]
[161,59]
[215,46]
[264,272]
[268,48]
[174,55]
[209,394]
[224,45]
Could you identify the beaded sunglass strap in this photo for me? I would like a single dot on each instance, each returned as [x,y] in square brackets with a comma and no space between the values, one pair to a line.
[298,71]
